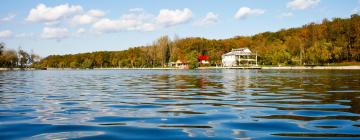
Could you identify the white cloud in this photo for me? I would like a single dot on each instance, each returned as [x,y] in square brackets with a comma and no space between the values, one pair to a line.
[302,4]
[122,24]
[168,17]
[9,17]
[80,31]
[54,33]
[355,11]
[135,20]
[52,23]
[288,14]
[139,20]
[6,33]
[148,27]
[210,18]
[88,18]
[48,14]
[131,21]
[96,13]
[136,10]
[245,12]
[25,35]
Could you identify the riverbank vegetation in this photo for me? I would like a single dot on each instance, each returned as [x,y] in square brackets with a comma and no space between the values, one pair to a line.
[329,42]
[10,58]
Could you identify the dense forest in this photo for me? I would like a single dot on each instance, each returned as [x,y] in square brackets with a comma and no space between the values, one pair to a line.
[16,59]
[331,41]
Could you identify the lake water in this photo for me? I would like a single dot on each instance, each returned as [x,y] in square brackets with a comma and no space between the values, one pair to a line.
[180,104]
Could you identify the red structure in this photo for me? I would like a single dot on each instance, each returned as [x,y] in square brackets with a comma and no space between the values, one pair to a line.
[203,59]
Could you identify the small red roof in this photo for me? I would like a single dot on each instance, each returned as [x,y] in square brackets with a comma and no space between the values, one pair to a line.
[203,57]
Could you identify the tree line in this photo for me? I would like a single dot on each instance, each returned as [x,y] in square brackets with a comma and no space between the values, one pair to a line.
[331,41]
[10,58]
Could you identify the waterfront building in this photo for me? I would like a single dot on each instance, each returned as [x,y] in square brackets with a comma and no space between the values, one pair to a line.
[239,57]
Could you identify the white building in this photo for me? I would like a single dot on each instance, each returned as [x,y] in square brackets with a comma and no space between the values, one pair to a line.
[179,64]
[239,57]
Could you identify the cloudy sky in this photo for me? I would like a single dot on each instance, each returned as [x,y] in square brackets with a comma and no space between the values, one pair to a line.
[64,27]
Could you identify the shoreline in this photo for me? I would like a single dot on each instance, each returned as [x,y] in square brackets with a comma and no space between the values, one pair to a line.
[314,68]
[258,67]
[205,68]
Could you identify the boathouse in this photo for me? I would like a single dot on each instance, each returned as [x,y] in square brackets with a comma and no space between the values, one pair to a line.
[239,57]
[179,64]
[203,60]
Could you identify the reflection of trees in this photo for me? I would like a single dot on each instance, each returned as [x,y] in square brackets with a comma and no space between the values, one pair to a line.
[199,82]
[2,81]
[310,90]
[333,87]
[161,82]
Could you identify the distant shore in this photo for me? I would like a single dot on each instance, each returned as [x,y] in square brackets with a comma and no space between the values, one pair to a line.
[259,67]
[314,67]
[9,69]
[290,67]
[255,67]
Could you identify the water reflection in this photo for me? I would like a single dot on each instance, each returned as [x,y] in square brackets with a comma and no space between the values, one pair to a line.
[155,104]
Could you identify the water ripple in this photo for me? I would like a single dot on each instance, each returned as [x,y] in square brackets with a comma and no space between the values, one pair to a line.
[178,104]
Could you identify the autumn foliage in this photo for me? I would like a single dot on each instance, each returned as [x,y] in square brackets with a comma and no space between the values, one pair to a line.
[332,41]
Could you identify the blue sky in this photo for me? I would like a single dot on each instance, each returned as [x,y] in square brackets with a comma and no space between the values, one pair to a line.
[64,27]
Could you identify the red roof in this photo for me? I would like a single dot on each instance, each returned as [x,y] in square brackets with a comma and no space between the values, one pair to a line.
[203,57]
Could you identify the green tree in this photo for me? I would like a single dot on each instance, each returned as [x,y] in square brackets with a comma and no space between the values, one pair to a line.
[88,63]
[191,58]
[2,46]
[164,49]
[74,64]
[24,58]
[331,41]
[319,52]
[9,59]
